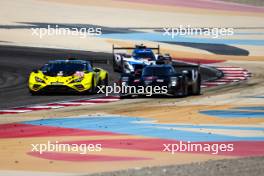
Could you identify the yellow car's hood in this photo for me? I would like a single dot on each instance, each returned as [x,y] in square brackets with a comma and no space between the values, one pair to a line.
[57,80]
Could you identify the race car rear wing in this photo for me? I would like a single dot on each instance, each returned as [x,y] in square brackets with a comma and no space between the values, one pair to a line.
[183,66]
[132,48]
[136,47]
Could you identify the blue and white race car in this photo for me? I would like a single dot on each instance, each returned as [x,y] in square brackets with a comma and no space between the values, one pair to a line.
[140,57]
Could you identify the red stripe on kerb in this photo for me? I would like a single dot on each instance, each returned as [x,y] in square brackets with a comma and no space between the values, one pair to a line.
[8,112]
[92,101]
[32,109]
[61,104]
[16,130]
[241,148]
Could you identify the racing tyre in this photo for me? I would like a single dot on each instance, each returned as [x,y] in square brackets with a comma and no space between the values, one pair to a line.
[92,89]
[196,88]
[103,83]
[33,93]
[185,90]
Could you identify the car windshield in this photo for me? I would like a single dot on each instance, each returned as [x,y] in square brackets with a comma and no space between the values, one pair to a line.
[144,55]
[62,68]
[158,71]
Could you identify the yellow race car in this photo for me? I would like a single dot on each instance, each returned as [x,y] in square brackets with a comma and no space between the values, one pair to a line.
[67,76]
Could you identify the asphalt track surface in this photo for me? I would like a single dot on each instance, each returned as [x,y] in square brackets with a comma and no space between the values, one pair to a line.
[17,62]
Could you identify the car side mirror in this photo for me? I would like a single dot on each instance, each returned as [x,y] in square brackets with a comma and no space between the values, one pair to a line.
[97,70]
[35,70]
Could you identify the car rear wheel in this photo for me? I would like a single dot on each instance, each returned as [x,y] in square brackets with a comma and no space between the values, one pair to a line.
[185,88]
[196,88]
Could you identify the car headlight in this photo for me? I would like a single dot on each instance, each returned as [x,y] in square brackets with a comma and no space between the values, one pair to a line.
[174,81]
[77,80]
[37,79]
[124,79]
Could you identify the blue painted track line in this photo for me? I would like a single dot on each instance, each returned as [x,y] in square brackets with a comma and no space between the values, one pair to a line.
[234,114]
[127,125]
[159,37]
